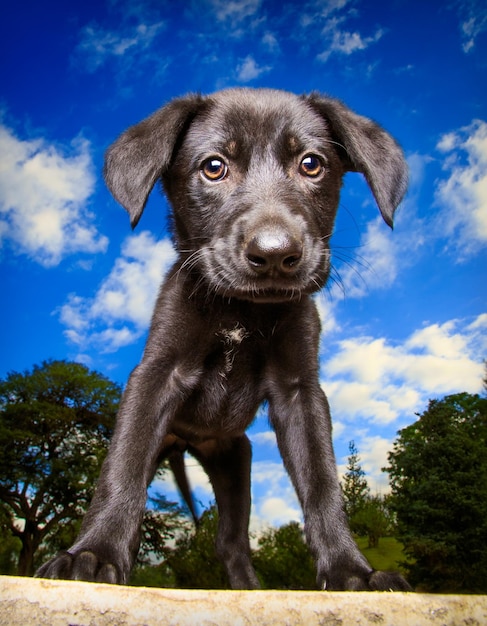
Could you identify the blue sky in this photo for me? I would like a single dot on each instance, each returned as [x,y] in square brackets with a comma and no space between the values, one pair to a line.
[404,320]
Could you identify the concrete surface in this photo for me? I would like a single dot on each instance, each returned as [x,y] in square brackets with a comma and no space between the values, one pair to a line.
[26,601]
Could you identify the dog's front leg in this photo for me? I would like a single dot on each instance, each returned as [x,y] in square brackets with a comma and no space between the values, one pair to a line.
[303,428]
[110,534]
[227,463]
[300,415]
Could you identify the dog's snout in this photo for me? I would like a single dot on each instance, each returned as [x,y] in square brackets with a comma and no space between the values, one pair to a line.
[274,250]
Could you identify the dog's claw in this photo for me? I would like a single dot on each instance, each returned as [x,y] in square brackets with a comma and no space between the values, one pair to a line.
[374,581]
[84,565]
[58,567]
[388,581]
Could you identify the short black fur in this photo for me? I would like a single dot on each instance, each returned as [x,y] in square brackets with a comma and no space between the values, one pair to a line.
[235,323]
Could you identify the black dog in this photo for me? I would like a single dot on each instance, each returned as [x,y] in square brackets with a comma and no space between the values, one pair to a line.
[254,179]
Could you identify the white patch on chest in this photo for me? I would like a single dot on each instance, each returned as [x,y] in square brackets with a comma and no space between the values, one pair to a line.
[231,338]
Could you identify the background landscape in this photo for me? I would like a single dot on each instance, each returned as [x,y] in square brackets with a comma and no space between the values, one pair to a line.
[405,316]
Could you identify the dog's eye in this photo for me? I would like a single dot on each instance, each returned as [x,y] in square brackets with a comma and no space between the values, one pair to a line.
[311,166]
[214,169]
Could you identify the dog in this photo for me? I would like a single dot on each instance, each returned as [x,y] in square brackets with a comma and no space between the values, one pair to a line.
[254,178]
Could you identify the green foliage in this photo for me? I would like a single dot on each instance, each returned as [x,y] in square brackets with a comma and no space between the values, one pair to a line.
[194,561]
[438,474]
[10,546]
[388,555]
[164,521]
[355,488]
[283,560]
[373,520]
[55,423]
[367,515]
[153,576]
[55,426]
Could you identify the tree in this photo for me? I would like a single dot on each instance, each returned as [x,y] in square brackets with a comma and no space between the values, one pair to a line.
[153,576]
[194,560]
[367,515]
[55,423]
[438,474]
[355,488]
[10,547]
[164,522]
[283,560]
[373,520]
[55,426]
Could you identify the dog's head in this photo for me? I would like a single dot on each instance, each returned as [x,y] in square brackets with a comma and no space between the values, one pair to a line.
[254,179]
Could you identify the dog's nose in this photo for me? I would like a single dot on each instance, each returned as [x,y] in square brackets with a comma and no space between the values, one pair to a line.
[272,250]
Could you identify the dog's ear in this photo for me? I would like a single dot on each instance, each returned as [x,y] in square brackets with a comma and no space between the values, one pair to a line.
[143,153]
[367,148]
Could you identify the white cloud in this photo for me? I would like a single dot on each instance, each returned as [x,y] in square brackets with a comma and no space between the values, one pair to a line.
[44,190]
[462,197]
[376,387]
[417,164]
[122,307]
[377,265]
[270,42]
[471,29]
[234,11]
[473,21]
[97,44]
[373,455]
[279,511]
[342,41]
[198,480]
[370,380]
[382,254]
[321,9]
[249,70]
[267,437]
[357,399]
[274,500]
[325,21]
[330,6]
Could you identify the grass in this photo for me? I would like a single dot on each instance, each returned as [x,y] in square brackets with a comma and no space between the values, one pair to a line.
[387,556]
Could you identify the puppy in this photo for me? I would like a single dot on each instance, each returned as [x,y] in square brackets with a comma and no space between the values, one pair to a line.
[254,180]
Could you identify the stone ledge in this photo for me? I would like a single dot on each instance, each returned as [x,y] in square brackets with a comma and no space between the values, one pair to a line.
[26,601]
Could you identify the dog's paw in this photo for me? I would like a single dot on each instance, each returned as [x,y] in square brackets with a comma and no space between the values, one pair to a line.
[387,581]
[83,565]
[373,581]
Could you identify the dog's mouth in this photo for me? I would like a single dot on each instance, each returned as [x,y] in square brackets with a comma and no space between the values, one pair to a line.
[269,267]
[268,295]
[239,285]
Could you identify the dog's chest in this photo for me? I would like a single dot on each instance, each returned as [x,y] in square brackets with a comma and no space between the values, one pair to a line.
[231,339]
[229,390]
